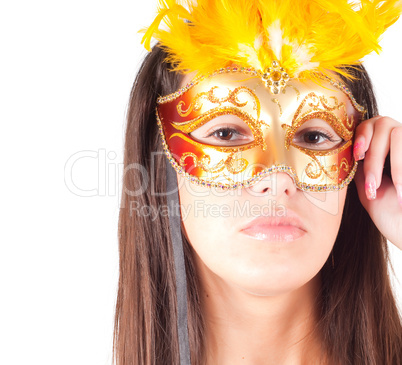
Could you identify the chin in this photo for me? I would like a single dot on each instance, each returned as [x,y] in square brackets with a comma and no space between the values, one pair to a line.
[270,280]
[263,289]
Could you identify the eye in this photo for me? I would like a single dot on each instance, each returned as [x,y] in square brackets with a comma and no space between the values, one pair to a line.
[317,135]
[226,130]
[226,134]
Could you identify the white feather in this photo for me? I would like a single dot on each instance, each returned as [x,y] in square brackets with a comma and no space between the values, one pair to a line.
[275,38]
[258,42]
[302,56]
[250,54]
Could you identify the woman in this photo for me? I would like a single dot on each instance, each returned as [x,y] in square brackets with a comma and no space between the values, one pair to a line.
[285,256]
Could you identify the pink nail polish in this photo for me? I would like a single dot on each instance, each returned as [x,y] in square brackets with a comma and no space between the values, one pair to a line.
[399,193]
[358,151]
[370,187]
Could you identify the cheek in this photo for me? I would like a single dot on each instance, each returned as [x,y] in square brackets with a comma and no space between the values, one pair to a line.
[324,212]
[211,227]
[324,215]
[208,219]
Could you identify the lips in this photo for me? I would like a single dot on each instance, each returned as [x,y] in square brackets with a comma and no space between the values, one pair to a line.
[275,229]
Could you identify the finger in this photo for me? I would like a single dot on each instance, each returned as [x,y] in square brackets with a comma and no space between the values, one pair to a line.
[359,181]
[363,135]
[367,203]
[396,160]
[376,154]
[385,210]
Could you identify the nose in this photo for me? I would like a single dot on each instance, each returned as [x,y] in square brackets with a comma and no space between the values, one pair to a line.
[276,184]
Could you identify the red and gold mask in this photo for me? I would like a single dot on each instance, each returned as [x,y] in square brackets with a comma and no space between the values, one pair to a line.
[231,128]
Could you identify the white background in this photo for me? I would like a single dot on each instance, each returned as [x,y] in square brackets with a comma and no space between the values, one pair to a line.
[65,77]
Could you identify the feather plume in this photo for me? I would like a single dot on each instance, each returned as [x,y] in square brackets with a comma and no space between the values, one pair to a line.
[304,36]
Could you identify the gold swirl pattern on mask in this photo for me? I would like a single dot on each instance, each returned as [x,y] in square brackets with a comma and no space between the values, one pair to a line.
[315,170]
[341,86]
[225,70]
[196,106]
[276,101]
[205,161]
[232,163]
[311,170]
[327,105]
[344,165]
[231,97]
[319,103]
[346,121]
[192,155]
[350,122]
[294,88]
[255,125]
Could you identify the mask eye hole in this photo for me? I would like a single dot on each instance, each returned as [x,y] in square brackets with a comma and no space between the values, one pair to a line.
[317,135]
[225,130]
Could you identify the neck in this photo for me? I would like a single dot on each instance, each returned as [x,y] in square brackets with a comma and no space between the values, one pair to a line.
[243,328]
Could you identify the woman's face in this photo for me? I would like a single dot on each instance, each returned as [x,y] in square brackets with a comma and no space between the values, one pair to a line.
[267,239]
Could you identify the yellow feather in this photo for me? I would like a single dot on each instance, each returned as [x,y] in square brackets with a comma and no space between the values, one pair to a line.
[306,36]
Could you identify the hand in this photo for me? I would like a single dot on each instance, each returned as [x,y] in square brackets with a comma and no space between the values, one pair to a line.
[380,196]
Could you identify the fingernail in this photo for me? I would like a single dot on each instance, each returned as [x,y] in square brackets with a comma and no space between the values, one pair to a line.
[358,149]
[370,187]
[399,193]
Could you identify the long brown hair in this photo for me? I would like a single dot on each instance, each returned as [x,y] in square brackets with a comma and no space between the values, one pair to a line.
[359,324]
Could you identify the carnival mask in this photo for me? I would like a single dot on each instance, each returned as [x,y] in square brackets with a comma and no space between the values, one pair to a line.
[232,128]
